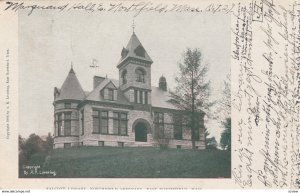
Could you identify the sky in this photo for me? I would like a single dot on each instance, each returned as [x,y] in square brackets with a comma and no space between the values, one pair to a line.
[49,43]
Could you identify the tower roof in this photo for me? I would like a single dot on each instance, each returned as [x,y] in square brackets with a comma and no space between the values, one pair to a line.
[162,79]
[134,49]
[71,88]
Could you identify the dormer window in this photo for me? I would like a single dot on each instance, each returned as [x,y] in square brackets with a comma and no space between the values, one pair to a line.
[124,52]
[140,51]
[124,77]
[140,75]
[110,94]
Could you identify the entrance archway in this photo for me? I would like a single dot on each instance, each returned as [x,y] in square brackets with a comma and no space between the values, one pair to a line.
[140,132]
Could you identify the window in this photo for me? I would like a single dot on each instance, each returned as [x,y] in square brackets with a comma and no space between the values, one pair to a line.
[159,124]
[140,97]
[177,120]
[82,122]
[67,145]
[100,121]
[120,123]
[146,97]
[120,144]
[59,123]
[67,105]
[124,53]
[140,51]
[110,94]
[123,127]
[104,122]
[140,75]
[159,118]
[96,122]
[196,136]
[116,124]
[67,124]
[124,77]
[66,120]
[100,143]
[135,96]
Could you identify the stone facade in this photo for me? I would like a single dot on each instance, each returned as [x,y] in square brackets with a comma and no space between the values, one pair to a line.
[129,112]
[82,129]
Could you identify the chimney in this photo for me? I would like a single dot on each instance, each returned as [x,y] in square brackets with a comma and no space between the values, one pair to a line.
[97,80]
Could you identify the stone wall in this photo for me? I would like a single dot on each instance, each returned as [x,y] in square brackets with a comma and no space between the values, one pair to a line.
[131,76]
[111,139]
[92,139]
[186,142]
[60,141]
[129,94]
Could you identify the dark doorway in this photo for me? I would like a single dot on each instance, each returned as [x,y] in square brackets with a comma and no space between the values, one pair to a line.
[140,132]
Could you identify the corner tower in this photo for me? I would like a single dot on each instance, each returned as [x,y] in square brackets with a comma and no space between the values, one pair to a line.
[135,72]
[66,116]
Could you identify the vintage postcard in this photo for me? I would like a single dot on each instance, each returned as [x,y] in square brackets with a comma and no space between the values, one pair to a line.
[150,94]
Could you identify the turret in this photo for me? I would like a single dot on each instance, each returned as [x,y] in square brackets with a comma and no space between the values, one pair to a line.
[163,83]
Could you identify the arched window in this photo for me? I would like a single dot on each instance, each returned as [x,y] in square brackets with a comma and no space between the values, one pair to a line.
[140,75]
[124,77]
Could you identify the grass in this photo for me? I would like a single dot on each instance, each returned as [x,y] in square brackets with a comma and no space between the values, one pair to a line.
[114,162]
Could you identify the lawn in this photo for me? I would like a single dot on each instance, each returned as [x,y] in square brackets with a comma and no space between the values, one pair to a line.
[114,162]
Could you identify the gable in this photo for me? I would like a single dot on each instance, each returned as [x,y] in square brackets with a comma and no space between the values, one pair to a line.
[98,93]
[111,86]
[124,52]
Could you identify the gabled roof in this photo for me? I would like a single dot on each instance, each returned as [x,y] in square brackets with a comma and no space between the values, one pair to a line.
[132,48]
[71,88]
[159,98]
[96,96]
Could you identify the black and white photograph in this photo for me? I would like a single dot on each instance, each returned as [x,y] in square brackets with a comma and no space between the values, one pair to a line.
[124,96]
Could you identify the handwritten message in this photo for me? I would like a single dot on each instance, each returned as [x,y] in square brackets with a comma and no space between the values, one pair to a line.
[136,8]
[266,97]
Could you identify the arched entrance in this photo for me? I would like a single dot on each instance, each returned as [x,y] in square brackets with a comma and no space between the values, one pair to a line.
[140,132]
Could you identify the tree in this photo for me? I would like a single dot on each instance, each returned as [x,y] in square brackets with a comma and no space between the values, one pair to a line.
[34,144]
[224,104]
[21,143]
[226,135]
[192,90]
[21,152]
[49,143]
[224,115]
